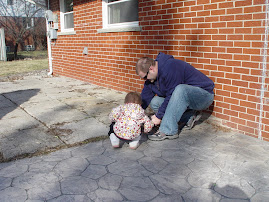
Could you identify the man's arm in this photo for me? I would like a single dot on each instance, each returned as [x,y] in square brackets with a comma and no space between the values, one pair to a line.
[146,95]
[173,75]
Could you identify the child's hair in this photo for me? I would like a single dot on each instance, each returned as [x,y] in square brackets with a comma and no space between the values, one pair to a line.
[133,97]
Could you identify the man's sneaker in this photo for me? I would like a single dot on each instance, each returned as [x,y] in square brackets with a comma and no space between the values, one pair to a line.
[193,119]
[114,140]
[158,136]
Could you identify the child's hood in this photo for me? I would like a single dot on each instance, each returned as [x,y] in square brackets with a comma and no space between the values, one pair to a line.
[133,111]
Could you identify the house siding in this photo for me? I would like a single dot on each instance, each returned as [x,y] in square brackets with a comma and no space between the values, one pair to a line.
[223,39]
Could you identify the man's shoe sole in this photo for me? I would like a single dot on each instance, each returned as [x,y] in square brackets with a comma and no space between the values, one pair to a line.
[197,118]
[170,137]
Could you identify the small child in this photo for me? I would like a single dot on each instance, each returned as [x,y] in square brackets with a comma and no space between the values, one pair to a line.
[127,120]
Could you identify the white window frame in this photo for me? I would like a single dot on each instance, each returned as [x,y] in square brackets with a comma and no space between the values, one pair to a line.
[116,25]
[62,17]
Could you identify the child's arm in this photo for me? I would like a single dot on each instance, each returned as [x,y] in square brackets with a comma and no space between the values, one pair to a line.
[115,113]
[148,124]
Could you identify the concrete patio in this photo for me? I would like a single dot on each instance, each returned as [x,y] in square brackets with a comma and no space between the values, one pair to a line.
[54,147]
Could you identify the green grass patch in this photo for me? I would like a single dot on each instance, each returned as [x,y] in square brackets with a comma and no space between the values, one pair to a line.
[28,54]
[22,66]
[28,61]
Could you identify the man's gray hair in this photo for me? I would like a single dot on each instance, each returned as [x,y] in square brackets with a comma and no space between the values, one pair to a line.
[143,64]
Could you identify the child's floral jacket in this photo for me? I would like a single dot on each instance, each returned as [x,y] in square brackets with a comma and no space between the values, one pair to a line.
[128,120]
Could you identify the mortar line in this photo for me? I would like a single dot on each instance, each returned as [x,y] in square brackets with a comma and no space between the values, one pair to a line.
[264,68]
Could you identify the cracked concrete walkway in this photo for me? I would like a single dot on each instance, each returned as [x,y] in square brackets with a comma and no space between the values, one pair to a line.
[39,112]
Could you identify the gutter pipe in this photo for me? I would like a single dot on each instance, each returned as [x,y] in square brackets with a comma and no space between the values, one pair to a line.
[49,45]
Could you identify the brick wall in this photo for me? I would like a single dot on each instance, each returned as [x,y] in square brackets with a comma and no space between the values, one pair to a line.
[223,39]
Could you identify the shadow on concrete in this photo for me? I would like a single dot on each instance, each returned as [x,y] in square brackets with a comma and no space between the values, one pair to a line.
[11,100]
[231,192]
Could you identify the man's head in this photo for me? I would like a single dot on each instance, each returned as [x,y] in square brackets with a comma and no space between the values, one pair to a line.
[133,97]
[147,68]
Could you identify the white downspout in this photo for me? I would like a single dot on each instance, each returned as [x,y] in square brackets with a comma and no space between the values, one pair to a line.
[49,45]
[264,68]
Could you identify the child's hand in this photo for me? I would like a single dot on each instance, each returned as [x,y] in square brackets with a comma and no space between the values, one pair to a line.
[155,120]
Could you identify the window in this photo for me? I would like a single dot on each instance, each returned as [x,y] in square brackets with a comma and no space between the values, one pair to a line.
[66,15]
[120,13]
[28,22]
[10,2]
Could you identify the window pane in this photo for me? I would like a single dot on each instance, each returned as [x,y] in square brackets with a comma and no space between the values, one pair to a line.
[68,21]
[9,2]
[68,6]
[123,12]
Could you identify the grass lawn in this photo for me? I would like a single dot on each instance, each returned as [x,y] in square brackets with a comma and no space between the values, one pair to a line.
[36,60]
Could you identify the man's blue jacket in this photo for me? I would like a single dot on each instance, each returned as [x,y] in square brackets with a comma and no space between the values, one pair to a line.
[172,72]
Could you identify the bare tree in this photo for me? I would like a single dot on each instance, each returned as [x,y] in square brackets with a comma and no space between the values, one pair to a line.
[18,17]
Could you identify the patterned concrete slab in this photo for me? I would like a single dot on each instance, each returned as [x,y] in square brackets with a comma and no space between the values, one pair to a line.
[39,113]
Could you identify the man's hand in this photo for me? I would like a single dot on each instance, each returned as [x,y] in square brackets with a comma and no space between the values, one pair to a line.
[155,120]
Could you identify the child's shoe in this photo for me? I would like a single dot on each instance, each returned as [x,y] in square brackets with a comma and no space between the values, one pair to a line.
[135,143]
[114,140]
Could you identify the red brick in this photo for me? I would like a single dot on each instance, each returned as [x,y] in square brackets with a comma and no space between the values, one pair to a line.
[226,43]
[230,88]
[210,6]
[223,93]
[248,105]
[189,3]
[218,50]
[235,50]
[243,3]
[252,23]
[231,124]
[246,129]
[222,116]
[259,16]
[252,51]
[242,57]
[231,112]
[225,68]
[203,13]
[247,91]
[246,116]
[253,99]
[218,12]
[242,44]
[225,56]
[235,37]
[234,10]
[231,101]
[234,24]
[252,37]
[258,30]
[226,31]
[219,24]
[232,76]
[239,109]
[244,17]
[211,31]
[243,30]
[253,9]
[240,83]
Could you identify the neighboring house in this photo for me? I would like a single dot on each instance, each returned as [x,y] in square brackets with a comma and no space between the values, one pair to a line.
[99,41]
[23,18]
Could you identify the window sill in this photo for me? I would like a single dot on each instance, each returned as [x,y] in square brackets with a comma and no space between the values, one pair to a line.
[120,29]
[66,33]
